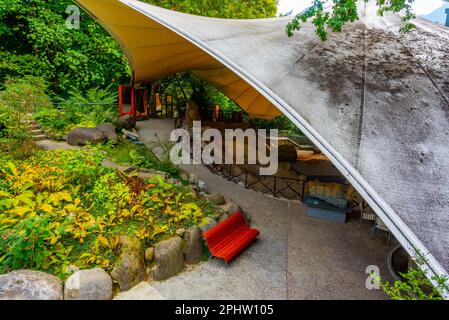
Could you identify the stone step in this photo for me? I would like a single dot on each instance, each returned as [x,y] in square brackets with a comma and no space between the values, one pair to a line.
[37,132]
[39,137]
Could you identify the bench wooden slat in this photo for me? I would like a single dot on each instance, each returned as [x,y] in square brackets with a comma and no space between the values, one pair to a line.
[230,237]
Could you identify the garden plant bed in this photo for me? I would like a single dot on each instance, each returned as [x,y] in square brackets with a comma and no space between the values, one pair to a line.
[62,211]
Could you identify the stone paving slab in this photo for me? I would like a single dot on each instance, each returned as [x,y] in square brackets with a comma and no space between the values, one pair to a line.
[295,257]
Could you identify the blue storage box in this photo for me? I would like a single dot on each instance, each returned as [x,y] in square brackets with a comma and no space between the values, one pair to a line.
[317,208]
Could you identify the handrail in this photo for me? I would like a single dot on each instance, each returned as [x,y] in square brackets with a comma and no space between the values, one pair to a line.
[282,187]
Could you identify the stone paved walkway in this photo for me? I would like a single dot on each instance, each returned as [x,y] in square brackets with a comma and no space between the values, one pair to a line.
[295,257]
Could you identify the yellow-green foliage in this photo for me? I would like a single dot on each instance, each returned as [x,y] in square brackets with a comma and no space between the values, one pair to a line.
[415,285]
[61,208]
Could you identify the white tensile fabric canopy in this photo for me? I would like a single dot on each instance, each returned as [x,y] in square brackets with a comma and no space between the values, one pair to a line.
[373,100]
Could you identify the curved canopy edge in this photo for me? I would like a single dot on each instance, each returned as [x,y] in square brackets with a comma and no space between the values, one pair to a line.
[397,226]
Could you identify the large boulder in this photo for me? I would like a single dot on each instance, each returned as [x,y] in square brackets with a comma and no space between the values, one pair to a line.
[126,122]
[130,269]
[287,152]
[109,130]
[216,198]
[169,258]
[192,245]
[93,284]
[82,136]
[30,285]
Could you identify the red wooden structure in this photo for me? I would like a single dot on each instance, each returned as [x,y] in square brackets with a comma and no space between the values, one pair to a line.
[133,102]
[126,100]
[230,237]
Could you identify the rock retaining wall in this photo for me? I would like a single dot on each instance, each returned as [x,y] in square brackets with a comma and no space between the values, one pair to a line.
[134,266]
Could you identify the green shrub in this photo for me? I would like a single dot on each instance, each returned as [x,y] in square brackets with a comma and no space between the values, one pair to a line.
[59,208]
[25,95]
[27,245]
[79,110]
[51,118]
[17,101]
[415,285]
[139,156]
[96,105]
[4,119]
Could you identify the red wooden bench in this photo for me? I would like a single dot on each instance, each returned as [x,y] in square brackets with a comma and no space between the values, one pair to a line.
[228,238]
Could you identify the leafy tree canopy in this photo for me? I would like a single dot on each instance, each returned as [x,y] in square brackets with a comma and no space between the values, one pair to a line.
[36,41]
[233,9]
[327,15]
